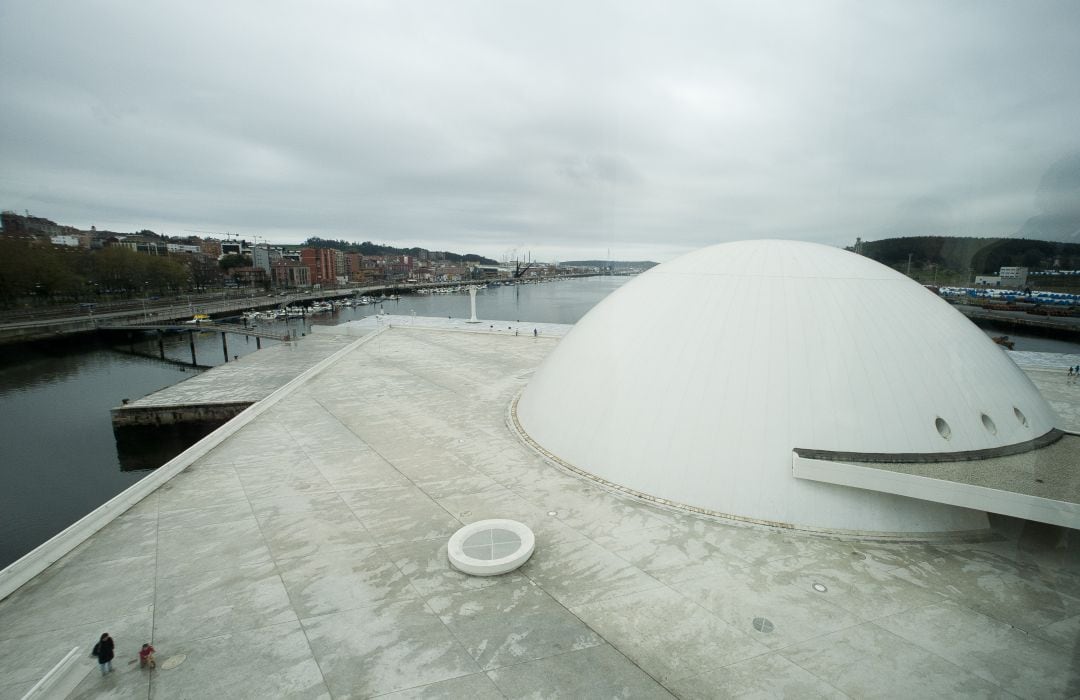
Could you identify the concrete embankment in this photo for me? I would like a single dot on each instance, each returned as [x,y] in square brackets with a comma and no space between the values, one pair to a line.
[53,326]
[219,394]
[1061,327]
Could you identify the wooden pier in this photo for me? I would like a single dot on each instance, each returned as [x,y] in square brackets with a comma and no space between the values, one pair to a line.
[191,328]
[220,393]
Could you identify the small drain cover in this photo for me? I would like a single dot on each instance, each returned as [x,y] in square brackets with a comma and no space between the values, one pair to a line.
[173,661]
[763,625]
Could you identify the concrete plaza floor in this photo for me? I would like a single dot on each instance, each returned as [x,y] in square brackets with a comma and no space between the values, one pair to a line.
[305,556]
[249,378]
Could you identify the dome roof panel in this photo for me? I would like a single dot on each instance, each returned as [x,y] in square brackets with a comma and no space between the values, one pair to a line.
[695,381]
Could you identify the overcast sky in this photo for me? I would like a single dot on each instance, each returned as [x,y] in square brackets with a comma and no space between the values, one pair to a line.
[564,128]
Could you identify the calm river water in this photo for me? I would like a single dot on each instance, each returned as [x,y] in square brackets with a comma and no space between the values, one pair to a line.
[58,454]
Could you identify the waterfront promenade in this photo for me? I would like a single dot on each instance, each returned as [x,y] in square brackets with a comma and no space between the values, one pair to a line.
[305,556]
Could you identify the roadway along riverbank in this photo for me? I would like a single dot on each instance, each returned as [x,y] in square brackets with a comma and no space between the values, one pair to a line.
[178,312]
[49,325]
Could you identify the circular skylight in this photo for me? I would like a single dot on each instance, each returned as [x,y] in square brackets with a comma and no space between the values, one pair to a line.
[492,544]
[491,547]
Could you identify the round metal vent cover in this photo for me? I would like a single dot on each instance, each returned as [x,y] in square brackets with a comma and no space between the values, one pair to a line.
[490,547]
[763,624]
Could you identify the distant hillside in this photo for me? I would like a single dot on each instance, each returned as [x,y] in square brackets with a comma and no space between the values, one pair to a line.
[983,256]
[1058,198]
[1061,226]
[617,264]
[369,248]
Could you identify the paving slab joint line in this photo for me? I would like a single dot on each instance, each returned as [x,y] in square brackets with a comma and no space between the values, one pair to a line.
[44,555]
[780,652]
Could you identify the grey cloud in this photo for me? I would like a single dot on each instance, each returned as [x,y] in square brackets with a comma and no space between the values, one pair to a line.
[1059,188]
[562,127]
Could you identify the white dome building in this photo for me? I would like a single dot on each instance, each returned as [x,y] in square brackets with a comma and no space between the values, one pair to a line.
[695,383]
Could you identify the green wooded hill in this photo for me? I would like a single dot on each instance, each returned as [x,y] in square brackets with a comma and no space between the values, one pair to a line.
[983,256]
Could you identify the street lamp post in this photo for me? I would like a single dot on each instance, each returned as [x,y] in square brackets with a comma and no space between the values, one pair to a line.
[472,304]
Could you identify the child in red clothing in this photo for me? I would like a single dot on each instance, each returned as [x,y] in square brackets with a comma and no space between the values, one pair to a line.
[146,657]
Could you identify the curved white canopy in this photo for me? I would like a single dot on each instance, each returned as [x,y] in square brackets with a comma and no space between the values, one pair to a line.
[696,381]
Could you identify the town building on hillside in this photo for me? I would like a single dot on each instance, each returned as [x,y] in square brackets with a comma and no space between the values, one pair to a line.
[249,276]
[371,269]
[339,265]
[210,247]
[485,272]
[65,240]
[445,271]
[184,248]
[139,244]
[1008,277]
[353,261]
[237,247]
[398,267]
[321,264]
[263,257]
[1013,276]
[289,273]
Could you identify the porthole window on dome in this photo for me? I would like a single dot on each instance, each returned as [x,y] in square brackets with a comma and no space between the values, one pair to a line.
[988,423]
[943,428]
[1020,416]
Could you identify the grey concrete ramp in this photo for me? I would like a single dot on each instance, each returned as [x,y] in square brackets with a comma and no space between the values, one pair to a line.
[1042,484]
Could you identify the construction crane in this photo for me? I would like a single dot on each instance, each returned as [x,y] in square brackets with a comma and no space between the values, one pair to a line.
[216,233]
[518,269]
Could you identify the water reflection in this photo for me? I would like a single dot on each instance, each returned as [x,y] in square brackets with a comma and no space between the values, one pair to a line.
[139,448]
[59,457]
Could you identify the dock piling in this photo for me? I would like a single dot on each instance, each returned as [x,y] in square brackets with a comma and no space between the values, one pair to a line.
[224,346]
[161,343]
[191,340]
